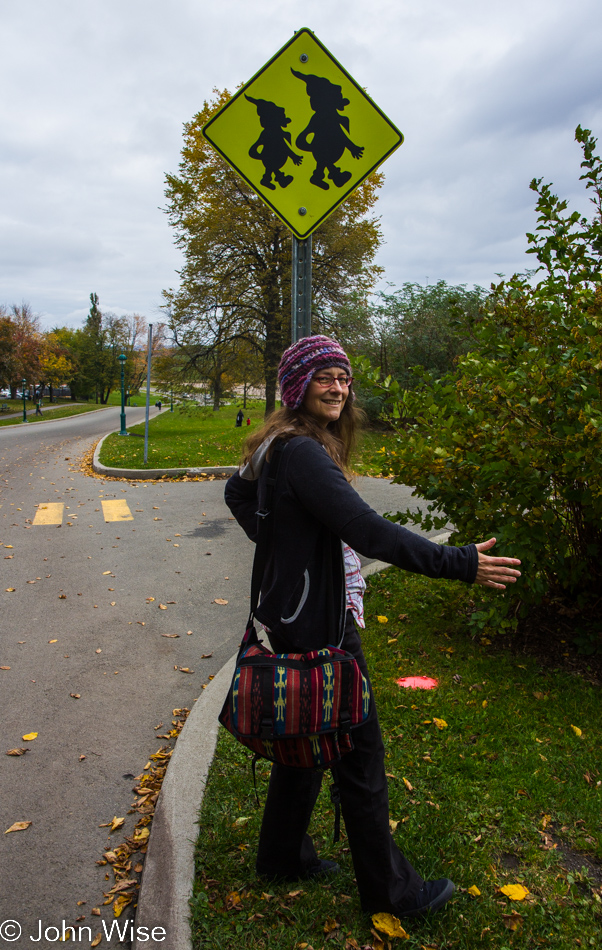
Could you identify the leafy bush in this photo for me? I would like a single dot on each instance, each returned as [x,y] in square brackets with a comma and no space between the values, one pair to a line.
[510,444]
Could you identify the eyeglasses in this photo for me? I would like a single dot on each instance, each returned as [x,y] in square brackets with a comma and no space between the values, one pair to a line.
[326,381]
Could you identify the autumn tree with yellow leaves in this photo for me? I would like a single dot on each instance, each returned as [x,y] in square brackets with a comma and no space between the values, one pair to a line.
[236,280]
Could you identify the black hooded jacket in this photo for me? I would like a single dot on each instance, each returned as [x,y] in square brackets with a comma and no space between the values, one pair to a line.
[314,509]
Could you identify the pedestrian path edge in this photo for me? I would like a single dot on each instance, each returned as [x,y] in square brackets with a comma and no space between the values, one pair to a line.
[169,866]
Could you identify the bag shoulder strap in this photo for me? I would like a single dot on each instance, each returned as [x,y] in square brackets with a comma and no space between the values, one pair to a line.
[265,524]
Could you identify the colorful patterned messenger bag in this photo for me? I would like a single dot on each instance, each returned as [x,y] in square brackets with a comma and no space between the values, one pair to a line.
[293,708]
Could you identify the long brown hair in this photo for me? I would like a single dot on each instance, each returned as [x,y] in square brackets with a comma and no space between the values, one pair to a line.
[338,438]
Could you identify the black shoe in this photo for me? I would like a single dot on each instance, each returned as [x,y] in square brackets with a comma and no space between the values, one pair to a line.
[317,870]
[321,870]
[430,898]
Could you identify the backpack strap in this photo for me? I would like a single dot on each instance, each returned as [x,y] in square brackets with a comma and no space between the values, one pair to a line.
[264,526]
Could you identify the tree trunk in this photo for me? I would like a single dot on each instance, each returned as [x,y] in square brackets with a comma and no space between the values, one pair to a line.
[217,391]
[244,396]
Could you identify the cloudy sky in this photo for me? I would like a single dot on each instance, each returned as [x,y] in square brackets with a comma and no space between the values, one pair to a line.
[95,93]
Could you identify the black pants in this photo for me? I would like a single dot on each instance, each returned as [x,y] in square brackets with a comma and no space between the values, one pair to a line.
[385,879]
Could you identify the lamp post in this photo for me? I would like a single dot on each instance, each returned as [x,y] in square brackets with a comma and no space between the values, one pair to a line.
[171,410]
[23,383]
[122,360]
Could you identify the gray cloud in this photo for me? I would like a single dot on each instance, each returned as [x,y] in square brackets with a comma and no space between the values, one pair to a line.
[95,95]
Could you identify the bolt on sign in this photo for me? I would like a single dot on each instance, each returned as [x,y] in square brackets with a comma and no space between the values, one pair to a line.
[302,133]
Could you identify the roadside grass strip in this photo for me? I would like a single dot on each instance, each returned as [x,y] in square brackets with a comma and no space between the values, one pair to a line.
[187,437]
[495,780]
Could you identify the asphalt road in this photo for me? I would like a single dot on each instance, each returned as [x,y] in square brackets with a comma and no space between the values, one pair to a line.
[80,615]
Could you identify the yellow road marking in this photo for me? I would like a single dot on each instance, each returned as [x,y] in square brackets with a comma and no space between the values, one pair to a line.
[116,510]
[52,513]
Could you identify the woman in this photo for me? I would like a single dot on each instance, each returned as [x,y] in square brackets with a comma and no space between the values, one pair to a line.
[311,595]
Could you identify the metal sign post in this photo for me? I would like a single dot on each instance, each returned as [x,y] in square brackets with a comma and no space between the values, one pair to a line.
[301,289]
[148,376]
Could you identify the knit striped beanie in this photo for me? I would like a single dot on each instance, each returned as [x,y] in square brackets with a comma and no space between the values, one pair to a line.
[300,362]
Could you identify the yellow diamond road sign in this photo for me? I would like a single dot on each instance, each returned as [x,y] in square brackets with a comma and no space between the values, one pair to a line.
[302,133]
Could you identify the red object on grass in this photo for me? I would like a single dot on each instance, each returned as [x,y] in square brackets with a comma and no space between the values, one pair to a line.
[417,682]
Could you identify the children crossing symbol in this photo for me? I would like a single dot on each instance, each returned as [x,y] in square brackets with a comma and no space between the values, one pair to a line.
[302,133]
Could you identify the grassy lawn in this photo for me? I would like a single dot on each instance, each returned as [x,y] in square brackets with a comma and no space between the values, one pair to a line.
[503,790]
[192,436]
[197,436]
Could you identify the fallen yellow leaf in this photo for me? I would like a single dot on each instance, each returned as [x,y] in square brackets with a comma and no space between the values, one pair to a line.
[104,573]
[117,823]
[389,925]
[440,723]
[10,590]
[577,730]
[516,892]
[30,737]
[382,619]
[18,826]
[392,825]
[512,921]
[96,940]
[220,600]
[16,751]
[409,787]
[474,891]
[330,924]
[121,903]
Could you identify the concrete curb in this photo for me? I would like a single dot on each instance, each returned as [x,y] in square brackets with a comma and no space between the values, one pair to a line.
[140,474]
[169,865]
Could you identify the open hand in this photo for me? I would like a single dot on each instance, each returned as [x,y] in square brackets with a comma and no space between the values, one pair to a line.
[495,571]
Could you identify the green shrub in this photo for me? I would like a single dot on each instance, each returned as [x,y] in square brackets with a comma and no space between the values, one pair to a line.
[510,444]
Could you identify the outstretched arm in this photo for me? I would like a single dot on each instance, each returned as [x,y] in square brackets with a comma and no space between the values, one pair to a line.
[356,150]
[495,571]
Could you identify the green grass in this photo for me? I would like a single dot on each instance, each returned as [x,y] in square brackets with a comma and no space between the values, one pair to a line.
[505,793]
[187,437]
[194,436]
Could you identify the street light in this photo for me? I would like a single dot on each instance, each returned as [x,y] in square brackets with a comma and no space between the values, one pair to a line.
[122,360]
[23,382]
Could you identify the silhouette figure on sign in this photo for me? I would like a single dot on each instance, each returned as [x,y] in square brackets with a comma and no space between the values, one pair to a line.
[327,128]
[272,146]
